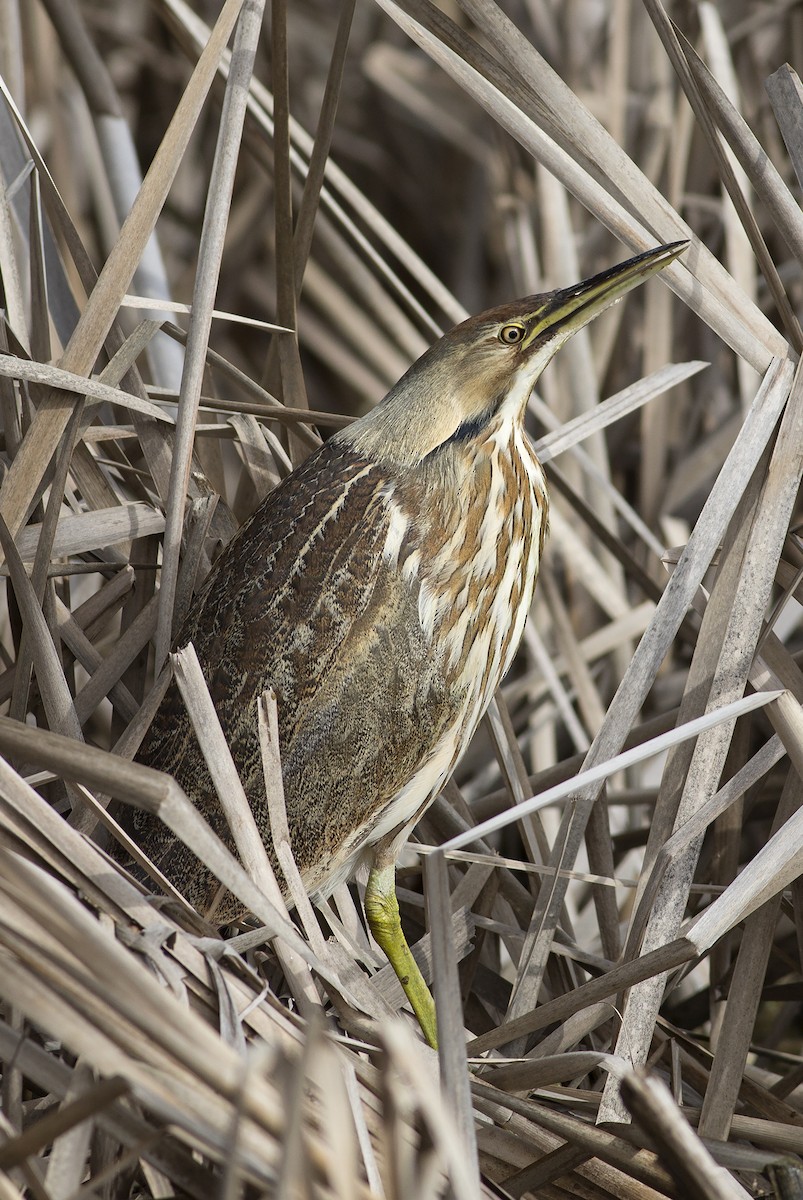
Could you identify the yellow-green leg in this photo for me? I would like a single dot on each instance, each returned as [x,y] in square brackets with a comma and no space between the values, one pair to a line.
[382,911]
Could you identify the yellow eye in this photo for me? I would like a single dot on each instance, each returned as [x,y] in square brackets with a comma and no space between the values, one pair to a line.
[511,334]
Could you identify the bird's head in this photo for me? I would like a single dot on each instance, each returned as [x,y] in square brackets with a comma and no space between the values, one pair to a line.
[487,366]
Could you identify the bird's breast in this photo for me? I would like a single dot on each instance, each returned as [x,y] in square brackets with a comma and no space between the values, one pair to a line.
[468,540]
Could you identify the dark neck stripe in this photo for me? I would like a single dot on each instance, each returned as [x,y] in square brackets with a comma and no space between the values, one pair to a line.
[468,430]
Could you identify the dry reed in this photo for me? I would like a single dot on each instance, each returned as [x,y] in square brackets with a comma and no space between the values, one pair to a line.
[612,879]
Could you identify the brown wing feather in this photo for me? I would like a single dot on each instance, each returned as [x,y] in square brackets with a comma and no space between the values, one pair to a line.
[304,602]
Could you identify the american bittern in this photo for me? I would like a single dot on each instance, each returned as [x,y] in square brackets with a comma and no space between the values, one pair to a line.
[381,590]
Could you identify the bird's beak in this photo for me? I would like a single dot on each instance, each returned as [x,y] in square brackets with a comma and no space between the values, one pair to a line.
[571,308]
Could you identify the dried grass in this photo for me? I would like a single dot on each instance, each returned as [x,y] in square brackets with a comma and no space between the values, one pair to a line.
[614,876]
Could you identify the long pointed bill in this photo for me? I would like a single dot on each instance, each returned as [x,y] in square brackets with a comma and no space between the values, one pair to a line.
[571,308]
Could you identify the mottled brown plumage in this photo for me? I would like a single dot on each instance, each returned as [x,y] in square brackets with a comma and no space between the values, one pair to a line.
[306,601]
[381,591]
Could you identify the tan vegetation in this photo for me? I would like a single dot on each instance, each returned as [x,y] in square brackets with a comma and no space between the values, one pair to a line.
[367,176]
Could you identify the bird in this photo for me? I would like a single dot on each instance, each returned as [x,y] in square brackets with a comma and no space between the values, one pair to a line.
[380,590]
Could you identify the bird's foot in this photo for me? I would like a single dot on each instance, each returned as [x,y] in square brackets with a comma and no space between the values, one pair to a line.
[382,912]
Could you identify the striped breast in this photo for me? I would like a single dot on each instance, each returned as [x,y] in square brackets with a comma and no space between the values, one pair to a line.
[475,550]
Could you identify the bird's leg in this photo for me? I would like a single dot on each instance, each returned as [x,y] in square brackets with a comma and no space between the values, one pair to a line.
[382,912]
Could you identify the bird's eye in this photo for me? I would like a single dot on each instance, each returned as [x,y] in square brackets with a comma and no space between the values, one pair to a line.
[511,334]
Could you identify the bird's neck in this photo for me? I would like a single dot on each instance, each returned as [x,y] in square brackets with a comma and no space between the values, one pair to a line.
[417,415]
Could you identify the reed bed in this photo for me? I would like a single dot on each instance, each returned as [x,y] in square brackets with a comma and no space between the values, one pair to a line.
[225,232]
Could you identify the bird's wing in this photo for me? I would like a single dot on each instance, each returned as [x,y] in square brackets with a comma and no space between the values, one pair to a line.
[304,601]
[308,554]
